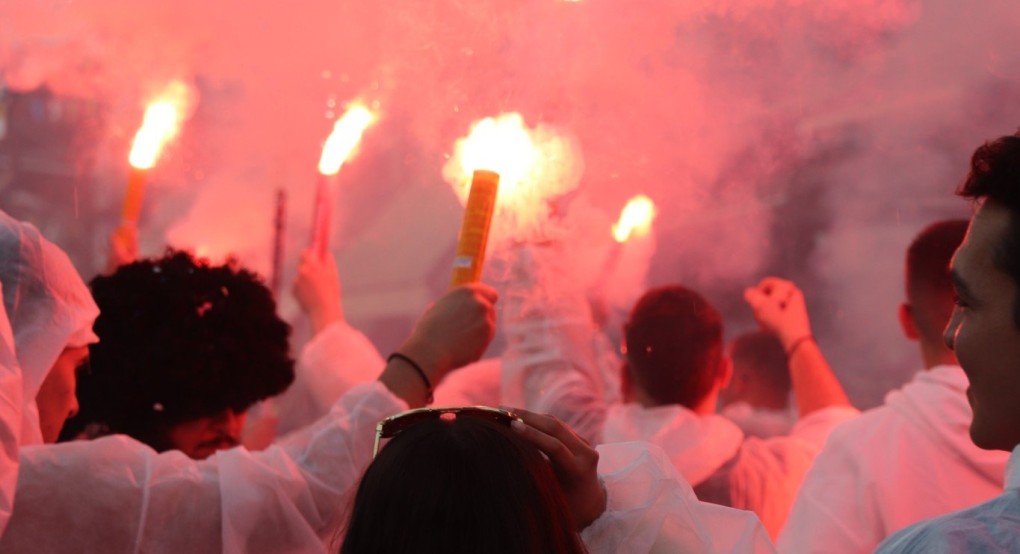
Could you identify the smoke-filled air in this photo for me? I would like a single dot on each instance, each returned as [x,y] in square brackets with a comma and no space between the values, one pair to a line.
[807,139]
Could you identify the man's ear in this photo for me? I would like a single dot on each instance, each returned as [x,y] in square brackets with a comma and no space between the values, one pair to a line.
[907,323]
[725,372]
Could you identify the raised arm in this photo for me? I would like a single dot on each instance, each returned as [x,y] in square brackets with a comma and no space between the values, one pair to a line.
[117,495]
[779,307]
[317,290]
[549,365]
[336,358]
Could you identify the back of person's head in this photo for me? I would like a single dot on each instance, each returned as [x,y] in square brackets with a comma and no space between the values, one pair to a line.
[674,350]
[995,177]
[929,285]
[761,374]
[180,340]
[462,486]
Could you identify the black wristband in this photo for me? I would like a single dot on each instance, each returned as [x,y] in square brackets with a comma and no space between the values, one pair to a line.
[796,344]
[421,373]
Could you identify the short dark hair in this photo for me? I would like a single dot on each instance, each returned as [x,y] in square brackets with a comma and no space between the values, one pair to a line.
[763,352]
[462,486]
[180,339]
[995,176]
[674,349]
[928,282]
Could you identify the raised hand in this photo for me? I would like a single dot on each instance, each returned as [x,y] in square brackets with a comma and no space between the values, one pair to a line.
[317,289]
[779,307]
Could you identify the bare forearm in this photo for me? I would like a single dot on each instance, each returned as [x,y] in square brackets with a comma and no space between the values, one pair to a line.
[814,384]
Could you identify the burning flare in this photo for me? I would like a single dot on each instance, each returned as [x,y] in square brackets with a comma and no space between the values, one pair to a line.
[635,219]
[161,123]
[345,138]
[535,165]
[502,145]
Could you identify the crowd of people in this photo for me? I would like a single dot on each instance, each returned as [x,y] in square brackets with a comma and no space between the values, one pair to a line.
[159,408]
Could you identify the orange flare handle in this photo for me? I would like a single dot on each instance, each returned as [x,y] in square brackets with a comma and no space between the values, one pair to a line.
[474,232]
[133,197]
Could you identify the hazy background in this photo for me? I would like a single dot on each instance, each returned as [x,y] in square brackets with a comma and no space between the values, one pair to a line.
[806,138]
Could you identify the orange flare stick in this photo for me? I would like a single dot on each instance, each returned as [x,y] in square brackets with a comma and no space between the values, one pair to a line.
[133,196]
[474,231]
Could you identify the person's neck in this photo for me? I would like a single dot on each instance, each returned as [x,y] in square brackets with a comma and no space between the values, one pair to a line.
[705,407]
[935,354]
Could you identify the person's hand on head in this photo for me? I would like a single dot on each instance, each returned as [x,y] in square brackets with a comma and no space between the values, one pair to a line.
[317,289]
[778,306]
[123,247]
[573,460]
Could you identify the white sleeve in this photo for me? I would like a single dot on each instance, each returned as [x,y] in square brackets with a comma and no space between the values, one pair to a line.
[835,509]
[816,427]
[10,417]
[546,370]
[651,508]
[549,365]
[117,495]
[769,473]
[335,360]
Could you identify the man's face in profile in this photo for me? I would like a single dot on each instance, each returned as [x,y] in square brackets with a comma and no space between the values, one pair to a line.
[984,334]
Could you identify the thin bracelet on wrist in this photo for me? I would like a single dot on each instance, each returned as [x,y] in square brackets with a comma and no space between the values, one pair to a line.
[796,344]
[421,373]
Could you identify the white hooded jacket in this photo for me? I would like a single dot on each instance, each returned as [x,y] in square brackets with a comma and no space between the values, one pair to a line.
[46,308]
[900,463]
[48,305]
[551,366]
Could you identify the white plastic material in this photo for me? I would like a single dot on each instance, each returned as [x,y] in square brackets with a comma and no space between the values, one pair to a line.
[993,526]
[908,460]
[118,495]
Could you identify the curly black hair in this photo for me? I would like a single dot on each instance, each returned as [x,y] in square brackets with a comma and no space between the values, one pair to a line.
[180,339]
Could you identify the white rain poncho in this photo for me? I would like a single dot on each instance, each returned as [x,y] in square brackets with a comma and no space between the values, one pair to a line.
[46,308]
[341,357]
[10,418]
[897,464]
[551,366]
[651,508]
[333,362]
[49,307]
[986,528]
[118,495]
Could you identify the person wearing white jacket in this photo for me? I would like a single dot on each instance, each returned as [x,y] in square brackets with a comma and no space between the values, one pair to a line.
[44,335]
[911,458]
[339,357]
[984,333]
[550,366]
[118,495]
[115,494]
